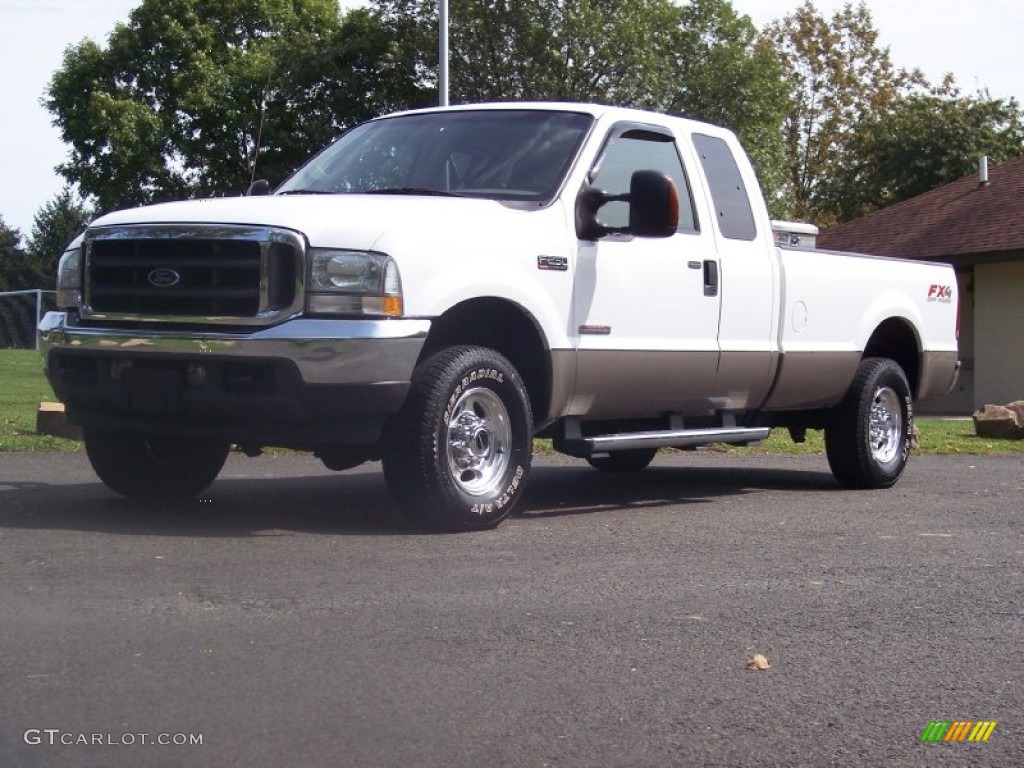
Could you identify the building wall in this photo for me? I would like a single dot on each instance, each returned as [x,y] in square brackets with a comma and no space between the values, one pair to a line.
[998,333]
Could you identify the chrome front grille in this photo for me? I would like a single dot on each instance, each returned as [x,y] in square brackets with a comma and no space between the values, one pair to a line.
[194,274]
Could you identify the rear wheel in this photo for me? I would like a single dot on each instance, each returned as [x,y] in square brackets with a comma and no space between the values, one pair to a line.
[624,461]
[458,453]
[154,467]
[868,439]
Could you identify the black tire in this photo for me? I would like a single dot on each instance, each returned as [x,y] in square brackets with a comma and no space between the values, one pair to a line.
[624,461]
[458,454]
[867,440]
[152,467]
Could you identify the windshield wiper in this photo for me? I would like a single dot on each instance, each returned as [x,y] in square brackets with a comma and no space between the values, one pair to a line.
[411,191]
[305,192]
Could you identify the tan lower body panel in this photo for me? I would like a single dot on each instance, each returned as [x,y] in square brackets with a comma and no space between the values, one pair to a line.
[745,378]
[624,384]
[563,381]
[938,374]
[812,379]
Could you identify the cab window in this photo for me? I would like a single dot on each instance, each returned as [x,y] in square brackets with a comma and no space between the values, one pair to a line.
[735,216]
[637,150]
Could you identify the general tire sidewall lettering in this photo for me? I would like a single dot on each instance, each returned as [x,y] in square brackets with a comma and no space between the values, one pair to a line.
[499,382]
[480,376]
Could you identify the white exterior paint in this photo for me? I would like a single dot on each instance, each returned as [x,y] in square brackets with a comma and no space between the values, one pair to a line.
[646,292]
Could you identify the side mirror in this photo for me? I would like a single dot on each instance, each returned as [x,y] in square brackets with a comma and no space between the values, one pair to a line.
[653,205]
[258,188]
[653,208]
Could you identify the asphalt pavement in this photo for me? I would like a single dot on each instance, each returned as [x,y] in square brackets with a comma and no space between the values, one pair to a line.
[292,618]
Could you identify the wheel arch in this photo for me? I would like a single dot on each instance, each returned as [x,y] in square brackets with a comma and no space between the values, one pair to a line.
[897,339]
[505,327]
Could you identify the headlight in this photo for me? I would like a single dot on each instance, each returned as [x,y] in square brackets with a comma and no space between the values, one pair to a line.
[353,282]
[69,278]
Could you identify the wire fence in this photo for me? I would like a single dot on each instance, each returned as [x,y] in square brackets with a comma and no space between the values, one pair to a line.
[20,313]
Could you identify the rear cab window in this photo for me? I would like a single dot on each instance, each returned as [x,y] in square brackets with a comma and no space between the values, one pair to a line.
[728,192]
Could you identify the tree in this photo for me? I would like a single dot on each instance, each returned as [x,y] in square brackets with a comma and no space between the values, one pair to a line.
[55,225]
[839,76]
[726,73]
[924,141]
[193,97]
[16,273]
[568,50]
[702,60]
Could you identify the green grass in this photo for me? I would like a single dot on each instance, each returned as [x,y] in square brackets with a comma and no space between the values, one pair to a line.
[23,386]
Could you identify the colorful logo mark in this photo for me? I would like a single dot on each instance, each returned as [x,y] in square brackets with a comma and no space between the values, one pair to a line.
[958,730]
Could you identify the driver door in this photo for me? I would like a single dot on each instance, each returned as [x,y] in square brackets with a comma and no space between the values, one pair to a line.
[645,311]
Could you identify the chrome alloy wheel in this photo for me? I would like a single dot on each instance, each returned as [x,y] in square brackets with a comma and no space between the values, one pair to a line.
[478,439]
[886,425]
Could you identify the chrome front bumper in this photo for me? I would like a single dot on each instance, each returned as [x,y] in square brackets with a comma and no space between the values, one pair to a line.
[300,383]
[324,351]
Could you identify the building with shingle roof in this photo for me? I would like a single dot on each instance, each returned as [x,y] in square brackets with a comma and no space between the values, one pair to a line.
[977,225]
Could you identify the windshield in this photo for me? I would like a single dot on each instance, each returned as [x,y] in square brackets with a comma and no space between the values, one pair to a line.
[498,154]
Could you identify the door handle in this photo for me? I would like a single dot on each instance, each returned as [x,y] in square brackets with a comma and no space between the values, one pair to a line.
[710,278]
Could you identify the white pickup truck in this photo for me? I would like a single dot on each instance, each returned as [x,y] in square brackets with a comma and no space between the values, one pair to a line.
[438,287]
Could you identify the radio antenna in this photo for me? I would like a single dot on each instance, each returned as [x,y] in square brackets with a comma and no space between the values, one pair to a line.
[259,132]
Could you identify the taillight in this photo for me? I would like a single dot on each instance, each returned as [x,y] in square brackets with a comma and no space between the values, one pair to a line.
[958,317]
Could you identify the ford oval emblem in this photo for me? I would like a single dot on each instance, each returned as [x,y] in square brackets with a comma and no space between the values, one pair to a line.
[164,278]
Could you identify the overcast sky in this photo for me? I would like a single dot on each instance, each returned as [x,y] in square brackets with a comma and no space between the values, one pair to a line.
[978,41]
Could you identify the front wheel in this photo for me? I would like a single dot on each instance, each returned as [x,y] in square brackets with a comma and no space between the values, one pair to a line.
[154,467]
[868,439]
[458,453]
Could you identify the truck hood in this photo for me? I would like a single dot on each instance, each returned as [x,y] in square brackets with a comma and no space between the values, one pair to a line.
[333,221]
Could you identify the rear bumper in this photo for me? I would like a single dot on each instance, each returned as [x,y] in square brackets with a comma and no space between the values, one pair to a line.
[302,382]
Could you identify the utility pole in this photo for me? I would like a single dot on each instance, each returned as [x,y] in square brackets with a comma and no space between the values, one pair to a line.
[442,44]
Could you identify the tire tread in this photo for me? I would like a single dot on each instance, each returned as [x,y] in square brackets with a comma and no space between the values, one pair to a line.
[847,435]
[411,457]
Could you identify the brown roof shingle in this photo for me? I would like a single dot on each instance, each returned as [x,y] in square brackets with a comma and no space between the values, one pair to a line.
[957,219]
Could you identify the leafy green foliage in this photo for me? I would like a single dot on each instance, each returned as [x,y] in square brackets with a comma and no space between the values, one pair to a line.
[838,75]
[727,74]
[504,50]
[16,269]
[193,97]
[862,134]
[190,97]
[702,60]
[55,225]
[924,141]
[196,98]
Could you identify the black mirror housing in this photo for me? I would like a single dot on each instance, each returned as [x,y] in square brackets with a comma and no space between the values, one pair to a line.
[258,188]
[588,203]
[653,205]
[653,208]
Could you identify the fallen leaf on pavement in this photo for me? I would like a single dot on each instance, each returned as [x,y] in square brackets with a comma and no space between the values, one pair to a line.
[758,662]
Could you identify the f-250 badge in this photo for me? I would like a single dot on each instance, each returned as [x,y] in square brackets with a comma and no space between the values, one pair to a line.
[555,263]
[940,293]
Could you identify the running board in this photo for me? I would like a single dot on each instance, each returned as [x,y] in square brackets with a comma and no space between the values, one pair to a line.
[669,438]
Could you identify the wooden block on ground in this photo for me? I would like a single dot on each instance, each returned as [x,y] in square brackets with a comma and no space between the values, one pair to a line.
[52,420]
